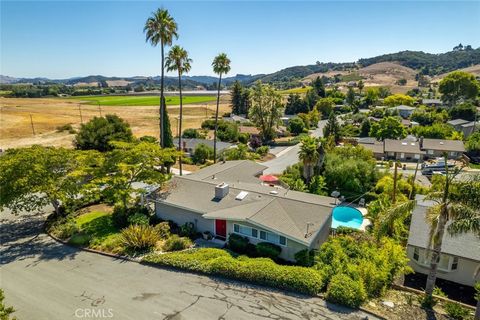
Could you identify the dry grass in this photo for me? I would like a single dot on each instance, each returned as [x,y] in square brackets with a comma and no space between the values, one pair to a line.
[48,114]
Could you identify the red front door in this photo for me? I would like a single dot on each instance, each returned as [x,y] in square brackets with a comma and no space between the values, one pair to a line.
[221,228]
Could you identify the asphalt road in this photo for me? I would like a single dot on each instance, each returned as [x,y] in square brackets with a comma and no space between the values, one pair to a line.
[45,280]
[290,155]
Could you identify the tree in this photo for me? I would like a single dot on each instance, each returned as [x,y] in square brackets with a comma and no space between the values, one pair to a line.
[265,110]
[458,86]
[236,94]
[360,86]
[458,206]
[318,185]
[318,86]
[398,99]
[178,60]
[191,133]
[388,128]
[371,96]
[129,163]
[202,153]
[311,98]
[332,128]
[98,133]
[308,154]
[296,125]
[473,143]
[350,98]
[365,128]
[31,178]
[435,131]
[465,111]
[325,107]
[161,28]
[221,66]
[5,311]
[295,104]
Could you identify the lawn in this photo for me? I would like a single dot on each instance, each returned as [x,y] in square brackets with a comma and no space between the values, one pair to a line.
[141,100]
[474,165]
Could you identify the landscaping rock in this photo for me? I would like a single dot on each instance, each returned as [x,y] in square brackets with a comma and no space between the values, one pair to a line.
[389,304]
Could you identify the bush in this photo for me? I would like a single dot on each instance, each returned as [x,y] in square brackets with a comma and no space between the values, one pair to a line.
[296,125]
[202,153]
[66,127]
[140,237]
[238,243]
[80,239]
[120,215]
[263,150]
[305,257]
[176,243]
[188,230]
[138,219]
[456,311]
[243,138]
[257,270]
[163,230]
[268,250]
[64,228]
[344,290]
[191,133]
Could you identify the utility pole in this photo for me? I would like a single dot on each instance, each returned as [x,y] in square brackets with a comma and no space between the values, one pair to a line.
[413,180]
[80,110]
[394,182]
[99,108]
[31,122]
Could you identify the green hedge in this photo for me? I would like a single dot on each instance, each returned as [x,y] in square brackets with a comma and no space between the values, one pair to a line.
[344,290]
[257,270]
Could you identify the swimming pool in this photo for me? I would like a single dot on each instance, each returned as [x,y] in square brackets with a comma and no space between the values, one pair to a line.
[344,216]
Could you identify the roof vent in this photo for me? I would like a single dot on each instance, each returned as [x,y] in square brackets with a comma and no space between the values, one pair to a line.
[221,190]
[441,142]
[273,192]
[404,143]
[241,195]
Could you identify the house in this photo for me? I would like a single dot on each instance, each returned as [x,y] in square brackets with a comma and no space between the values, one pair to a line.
[464,126]
[189,145]
[457,123]
[437,147]
[460,257]
[229,198]
[432,102]
[236,118]
[373,145]
[404,111]
[403,149]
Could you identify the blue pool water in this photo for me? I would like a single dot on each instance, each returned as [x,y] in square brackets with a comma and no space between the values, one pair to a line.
[346,217]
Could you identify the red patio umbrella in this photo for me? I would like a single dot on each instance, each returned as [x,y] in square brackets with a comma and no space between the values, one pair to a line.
[269,178]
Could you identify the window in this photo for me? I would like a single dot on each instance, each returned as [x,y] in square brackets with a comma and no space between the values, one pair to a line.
[455,263]
[283,240]
[246,231]
[453,154]
[415,254]
[430,151]
[236,228]
[263,235]
[254,233]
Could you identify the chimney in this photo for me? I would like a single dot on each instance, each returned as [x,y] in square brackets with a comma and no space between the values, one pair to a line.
[420,142]
[221,190]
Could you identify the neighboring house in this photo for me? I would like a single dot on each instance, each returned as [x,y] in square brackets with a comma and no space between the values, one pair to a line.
[189,145]
[432,102]
[236,118]
[464,126]
[457,123]
[413,149]
[404,111]
[252,131]
[460,257]
[229,198]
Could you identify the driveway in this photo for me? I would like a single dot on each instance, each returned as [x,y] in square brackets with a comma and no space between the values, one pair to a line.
[289,156]
[43,279]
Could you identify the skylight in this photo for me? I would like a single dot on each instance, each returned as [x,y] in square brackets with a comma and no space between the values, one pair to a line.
[241,195]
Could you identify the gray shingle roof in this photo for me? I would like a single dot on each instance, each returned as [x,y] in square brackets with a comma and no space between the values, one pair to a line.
[465,245]
[405,146]
[455,122]
[191,143]
[443,145]
[285,212]
[230,171]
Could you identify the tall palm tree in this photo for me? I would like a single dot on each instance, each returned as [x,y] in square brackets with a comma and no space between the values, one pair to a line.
[161,28]
[221,66]
[178,60]
[458,205]
[308,153]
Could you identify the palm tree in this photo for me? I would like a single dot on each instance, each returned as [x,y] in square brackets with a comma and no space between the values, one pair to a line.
[458,203]
[308,153]
[178,60]
[161,28]
[221,65]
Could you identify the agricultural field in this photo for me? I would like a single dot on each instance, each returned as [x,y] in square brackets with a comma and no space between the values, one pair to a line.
[295,90]
[141,100]
[18,114]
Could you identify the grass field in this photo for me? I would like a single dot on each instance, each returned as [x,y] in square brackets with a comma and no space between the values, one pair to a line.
[295,90]
[141,100]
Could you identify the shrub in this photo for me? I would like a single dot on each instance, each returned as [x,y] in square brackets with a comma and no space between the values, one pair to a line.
[163,229]
[456,311]
[427,301]
[238,243]
[66,127]
[80,239]
[296,125]
[305,257]
[188,230]
[257,270]
[268,250]
[202,153]
[176,243]
[263,150]
[140,237]
[138,219]
[243,138]
[344,290]
[120,215]
[191,133]
[64,228]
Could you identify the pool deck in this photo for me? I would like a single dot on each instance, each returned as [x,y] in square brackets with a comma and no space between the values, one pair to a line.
[366,222]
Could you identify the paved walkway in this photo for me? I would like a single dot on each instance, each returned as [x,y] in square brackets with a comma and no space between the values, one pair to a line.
[45,280]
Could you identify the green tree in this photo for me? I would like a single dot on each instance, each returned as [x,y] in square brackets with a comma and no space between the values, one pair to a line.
[98,133]
[236,94]
[317,85]
[458,86]
[435,131]
[350,98]
[473,143]
[296,125]
[31,178]
[398,99]
[5,311]
[388,128]
[457,211]
[465,111]
[311,98]
[221,66]
[129,163]
[160,29]
[318,185]
[360,86]
[325,107]
[371,96]
[265,110]
[332,128]
[178,60]
[365,128]
[202,153]
[295,104]
[308,154]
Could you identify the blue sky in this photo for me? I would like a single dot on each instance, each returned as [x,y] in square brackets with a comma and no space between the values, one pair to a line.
[61,39]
